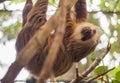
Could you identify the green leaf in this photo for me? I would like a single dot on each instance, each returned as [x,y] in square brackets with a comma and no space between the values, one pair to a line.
[100,69]
[115,81]
[117,76]
[97,54]
[52,2]
[102,4]
[110,8]
[113,72]
[11,30]
[17,1]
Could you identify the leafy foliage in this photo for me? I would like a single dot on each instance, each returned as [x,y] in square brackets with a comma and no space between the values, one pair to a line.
[17,1]
[11,31]
[52,2]
[100,69]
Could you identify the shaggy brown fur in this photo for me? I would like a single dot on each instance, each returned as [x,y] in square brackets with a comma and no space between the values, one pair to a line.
[79,41]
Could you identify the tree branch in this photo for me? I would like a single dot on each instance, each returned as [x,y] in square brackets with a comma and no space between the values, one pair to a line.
[35,43]
[91,79]
[92,66]
[96,62]
[1,1]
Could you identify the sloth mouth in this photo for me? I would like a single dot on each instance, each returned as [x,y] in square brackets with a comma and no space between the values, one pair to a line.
[87,33]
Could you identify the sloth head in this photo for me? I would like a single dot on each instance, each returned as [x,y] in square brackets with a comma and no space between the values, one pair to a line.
[85,32]
[83,40]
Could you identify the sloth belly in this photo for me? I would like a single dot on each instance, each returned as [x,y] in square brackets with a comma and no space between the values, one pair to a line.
[62,64]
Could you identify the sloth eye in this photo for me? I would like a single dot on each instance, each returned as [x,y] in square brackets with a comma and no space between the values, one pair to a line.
[86,30]
[94,31]
[87,33]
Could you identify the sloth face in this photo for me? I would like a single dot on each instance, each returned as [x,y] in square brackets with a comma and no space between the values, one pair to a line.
[85,32]
[83,40]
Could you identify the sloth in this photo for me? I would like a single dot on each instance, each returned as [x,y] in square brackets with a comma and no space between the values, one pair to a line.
[80,39]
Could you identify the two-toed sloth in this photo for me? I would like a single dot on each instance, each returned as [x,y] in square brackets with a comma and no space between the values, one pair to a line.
[80,40]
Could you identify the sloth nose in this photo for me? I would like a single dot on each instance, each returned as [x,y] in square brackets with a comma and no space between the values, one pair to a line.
[87,33]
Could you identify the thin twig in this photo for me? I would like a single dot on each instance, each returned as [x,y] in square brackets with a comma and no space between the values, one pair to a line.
[77,71]
[96,62]
[16,81]
[92,66]
[91,79]
[20,81]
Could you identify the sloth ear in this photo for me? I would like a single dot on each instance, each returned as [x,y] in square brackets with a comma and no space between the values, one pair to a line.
[28,6]
[79,11]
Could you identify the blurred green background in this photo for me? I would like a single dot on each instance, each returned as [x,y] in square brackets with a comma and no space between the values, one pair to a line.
[103,13]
